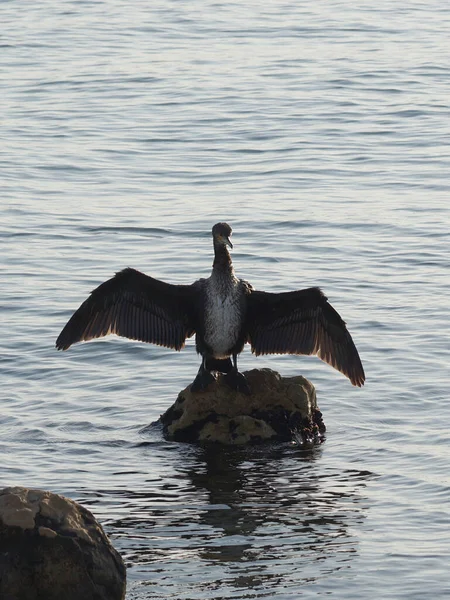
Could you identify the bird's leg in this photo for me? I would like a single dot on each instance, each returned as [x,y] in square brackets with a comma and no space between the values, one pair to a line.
[237,381]
[204,378]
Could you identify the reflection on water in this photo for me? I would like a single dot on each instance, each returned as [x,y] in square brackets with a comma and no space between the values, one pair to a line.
[320,131]
[266,519]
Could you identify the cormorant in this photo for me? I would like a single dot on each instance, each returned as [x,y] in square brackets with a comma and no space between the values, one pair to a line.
[224,312]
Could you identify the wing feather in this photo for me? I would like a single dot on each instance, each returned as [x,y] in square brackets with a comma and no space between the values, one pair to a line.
[135,306]
[302,322]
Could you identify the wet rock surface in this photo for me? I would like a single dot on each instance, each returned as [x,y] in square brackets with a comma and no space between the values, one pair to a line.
[278,409]
[53,548]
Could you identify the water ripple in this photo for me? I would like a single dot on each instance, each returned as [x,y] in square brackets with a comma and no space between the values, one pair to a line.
[320,132]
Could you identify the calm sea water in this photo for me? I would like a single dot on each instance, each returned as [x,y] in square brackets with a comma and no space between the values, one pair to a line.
[320,132]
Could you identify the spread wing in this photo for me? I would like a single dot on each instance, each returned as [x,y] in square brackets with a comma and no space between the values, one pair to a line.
[135,306]
[302,322]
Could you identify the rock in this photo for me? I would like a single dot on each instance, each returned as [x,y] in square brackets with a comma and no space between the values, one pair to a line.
[278,409]
[53,548]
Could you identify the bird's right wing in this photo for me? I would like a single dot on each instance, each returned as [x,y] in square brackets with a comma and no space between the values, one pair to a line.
[135,306]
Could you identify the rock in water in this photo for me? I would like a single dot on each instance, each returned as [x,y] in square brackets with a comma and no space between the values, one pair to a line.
[278,409]
[53,548]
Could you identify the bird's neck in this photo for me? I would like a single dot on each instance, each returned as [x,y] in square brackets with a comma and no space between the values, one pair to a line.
[222,260]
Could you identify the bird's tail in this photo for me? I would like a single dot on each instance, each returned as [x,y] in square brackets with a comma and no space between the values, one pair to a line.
[223,365]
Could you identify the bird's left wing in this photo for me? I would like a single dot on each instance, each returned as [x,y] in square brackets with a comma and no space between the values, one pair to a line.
[302,322]
[136,306]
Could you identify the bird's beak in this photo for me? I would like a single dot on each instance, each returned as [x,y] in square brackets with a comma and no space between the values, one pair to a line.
[228,242]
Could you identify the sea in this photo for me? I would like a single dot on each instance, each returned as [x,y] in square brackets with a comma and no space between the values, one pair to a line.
[320,131]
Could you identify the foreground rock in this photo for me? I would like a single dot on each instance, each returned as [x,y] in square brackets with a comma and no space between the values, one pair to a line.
[278,409]
[53,548]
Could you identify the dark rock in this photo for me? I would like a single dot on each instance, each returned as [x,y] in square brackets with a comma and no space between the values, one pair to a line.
[278,409]
[53,548]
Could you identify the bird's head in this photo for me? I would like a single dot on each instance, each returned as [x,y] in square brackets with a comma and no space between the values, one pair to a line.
[221,234]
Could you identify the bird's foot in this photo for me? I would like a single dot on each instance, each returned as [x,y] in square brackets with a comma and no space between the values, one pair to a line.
[237,381]
[202,381]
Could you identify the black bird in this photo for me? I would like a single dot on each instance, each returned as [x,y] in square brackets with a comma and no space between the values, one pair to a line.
[224,312]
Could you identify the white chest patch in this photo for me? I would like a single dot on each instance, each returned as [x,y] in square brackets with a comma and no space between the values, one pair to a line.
[223,312]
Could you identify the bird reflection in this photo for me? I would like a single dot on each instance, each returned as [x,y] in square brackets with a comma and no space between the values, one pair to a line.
[241,518]
[266,507]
